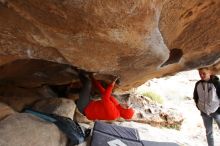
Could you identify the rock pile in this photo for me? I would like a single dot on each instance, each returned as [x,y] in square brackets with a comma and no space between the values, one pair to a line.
[17,127]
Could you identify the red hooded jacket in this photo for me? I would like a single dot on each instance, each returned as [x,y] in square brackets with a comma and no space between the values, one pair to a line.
[108,107]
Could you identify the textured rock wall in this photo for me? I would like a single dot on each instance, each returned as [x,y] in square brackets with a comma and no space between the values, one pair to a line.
[134,39]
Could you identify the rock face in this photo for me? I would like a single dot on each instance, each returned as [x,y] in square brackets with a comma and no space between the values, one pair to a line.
[136,40]
[59,106]
[18,98]
[28,130]
[5,111]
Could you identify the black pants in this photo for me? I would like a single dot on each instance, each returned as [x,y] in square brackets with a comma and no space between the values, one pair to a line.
[85,93]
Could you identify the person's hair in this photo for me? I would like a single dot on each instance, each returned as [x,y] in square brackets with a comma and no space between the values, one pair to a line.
[207,69]
[203,68]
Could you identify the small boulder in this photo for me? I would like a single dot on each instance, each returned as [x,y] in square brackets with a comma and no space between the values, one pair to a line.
[27,130]
[60,106]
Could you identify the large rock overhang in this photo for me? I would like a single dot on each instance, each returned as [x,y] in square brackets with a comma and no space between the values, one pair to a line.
[134,39]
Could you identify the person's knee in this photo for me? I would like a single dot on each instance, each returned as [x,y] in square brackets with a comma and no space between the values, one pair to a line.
[209,132]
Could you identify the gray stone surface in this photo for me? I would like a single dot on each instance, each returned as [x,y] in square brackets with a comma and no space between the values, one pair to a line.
[28,130]
[60,106]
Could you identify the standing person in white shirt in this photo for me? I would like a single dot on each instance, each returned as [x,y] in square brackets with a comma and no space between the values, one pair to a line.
[207,99]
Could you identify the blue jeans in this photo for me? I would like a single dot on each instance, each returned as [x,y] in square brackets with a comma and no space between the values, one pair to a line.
[208,122]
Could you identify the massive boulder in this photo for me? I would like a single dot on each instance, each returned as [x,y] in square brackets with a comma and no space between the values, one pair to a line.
[134,39]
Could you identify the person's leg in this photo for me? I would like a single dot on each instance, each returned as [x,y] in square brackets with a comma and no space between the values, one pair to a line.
[84,95]
[207,120]
[216,117]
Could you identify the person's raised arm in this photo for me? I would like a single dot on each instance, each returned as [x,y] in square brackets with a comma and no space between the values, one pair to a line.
[109,89]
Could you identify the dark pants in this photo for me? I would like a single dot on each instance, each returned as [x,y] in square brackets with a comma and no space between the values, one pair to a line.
[208,123]
[84,95]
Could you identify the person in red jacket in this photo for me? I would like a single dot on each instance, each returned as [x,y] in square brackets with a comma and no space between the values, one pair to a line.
[107,108]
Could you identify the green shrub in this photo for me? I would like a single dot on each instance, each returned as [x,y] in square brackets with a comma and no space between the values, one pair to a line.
[176,127]
[153,96]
